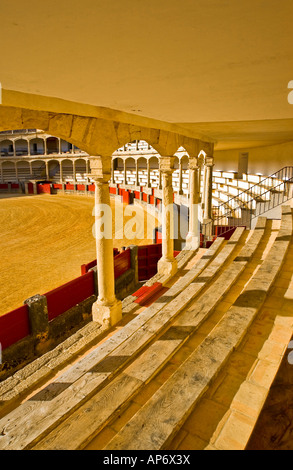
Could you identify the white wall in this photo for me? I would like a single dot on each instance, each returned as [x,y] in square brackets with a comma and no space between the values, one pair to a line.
[265,160]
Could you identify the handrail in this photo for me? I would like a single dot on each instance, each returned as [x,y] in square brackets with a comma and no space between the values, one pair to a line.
[261,197]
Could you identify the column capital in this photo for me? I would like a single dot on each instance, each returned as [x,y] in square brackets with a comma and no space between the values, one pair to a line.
[166,164]
[193,163]
[100,168]
[209,161]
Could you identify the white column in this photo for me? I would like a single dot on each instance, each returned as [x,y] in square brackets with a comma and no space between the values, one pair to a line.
[180,177]
[47,170]
[136,173]
[107,310]
[45,146]
[208,188]
[148,174]
[193,236]
[112,172]
[124,172]
[167,265]
[61,172]
[74,171]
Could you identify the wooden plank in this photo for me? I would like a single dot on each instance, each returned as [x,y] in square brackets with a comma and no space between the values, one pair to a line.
[82,380]
[97,412]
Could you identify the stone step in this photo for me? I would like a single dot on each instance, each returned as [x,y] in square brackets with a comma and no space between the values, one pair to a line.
[82,380]
[156,423]
[68,434]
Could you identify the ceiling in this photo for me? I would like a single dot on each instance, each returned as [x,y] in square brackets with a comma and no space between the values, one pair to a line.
[217,67]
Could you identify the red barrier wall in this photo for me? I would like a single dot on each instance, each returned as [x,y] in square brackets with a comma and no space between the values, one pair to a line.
[67,296]
[91,187]
[14,186]
[122,263]
[57,186]
[148,257]
[14,326]
[80,187]
[44,188]
[30,188]
[3,186]
[69,187]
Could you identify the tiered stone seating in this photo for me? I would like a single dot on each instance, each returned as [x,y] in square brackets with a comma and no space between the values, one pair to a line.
[140,387]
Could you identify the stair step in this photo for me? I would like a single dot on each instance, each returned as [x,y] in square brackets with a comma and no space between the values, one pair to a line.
[156,423]
[84,379]
[170,341]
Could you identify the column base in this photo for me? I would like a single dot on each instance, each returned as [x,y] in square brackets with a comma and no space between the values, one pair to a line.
[167,266]
[107,315]
[207,228]
[192,241]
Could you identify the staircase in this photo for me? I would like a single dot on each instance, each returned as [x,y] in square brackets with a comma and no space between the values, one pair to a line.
[269,193]
[176,374]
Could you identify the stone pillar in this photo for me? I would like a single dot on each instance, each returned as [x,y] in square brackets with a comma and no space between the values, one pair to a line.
[193,236]
[59,146]
[160,180]
[167,264]
[124,173]
[208,188]
[136,174]
[61,171]
[74,172]
[112,172]
[45,146]
[47,170]
[180,177]
[16,171]
[148,174]
[107,310]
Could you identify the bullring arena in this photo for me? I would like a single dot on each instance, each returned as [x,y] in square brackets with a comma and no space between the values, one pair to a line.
[54,238]
[146,227]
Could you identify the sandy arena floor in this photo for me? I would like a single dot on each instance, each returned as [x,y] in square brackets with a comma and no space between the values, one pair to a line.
[43,242]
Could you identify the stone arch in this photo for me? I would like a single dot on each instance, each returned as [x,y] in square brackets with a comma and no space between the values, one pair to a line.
[52,145]
[8,171]
[80,169]
[54,169]
[21,147]
[67,169]
[38,169]
[23,169]
[6,148]
[37,146]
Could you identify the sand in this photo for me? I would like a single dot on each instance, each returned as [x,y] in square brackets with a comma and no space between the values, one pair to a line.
[43,242]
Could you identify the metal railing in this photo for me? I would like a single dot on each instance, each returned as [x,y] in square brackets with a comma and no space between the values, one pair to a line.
[269,193]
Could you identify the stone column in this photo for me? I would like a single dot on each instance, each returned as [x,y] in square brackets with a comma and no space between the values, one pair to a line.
[107,310]
[16,171]
[167,264]
[124,173]
[148,174]
[61,171]
[74,172]
[193,236]
[45,146]
[180,177]
[112,172]
[136,174]
[47,170]
[208,188]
